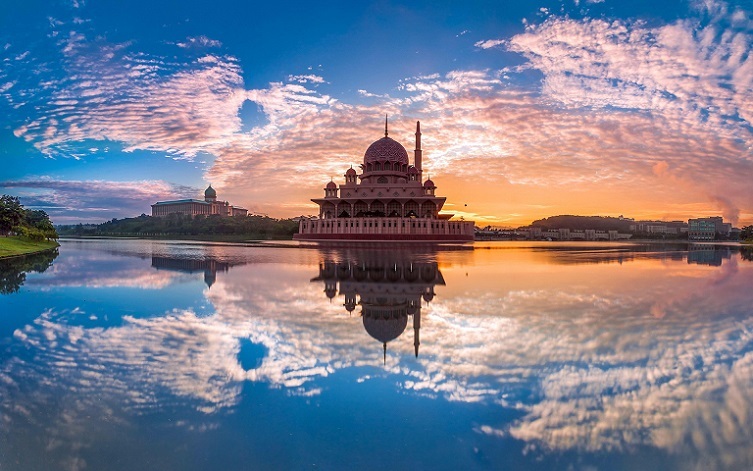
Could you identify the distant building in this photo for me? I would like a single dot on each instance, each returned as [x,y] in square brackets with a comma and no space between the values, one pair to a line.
[537,233]
[191,207]
[712,228]
[672,228]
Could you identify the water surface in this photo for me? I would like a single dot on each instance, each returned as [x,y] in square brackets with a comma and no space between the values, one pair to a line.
[129,354]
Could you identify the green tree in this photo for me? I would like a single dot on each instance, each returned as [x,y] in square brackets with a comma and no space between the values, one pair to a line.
[11,213]
[746,233]
[39,220]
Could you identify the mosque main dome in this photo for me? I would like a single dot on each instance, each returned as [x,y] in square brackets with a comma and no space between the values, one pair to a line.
[384,329]
[386,149]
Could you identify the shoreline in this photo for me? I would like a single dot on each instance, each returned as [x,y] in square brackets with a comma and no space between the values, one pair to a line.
[470,245]
[12,246]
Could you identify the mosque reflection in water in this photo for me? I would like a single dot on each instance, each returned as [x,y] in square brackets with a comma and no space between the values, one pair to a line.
[390,292]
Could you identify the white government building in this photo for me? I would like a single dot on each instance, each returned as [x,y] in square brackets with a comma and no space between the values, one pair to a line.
[191,207]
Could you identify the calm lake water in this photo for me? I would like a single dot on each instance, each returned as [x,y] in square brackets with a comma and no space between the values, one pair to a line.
[153,355]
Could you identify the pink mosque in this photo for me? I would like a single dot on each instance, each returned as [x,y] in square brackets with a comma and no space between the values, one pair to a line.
[388,201]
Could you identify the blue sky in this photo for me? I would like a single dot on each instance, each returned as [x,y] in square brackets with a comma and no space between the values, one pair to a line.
[528,108]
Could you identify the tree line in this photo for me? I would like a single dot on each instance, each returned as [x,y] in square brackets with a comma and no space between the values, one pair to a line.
[32,224]
[746,233]
[182,225]
[601,223]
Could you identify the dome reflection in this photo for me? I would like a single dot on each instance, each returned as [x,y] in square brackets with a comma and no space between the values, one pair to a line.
[389,291]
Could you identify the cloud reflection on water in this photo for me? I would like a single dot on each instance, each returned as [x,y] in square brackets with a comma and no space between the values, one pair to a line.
[596,357]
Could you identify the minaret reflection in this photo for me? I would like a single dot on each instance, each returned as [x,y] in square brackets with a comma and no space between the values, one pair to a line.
[389,291]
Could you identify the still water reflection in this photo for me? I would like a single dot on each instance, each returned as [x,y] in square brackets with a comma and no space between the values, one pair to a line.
[13,270]
[389,287]
[177,355]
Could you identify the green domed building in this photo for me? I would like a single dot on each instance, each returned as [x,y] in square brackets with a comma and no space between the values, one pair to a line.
[192,207]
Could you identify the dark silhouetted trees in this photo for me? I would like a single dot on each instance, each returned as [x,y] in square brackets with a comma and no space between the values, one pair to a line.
[746,233]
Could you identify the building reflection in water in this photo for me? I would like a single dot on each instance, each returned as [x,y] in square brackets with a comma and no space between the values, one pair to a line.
[706,254]
[209,266]
[389,291]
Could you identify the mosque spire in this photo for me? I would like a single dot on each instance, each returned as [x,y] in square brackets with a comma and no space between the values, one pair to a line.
[385,125]
[418,153]
[385,353]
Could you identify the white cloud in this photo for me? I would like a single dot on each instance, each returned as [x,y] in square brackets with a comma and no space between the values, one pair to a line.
[145,102]
[199,41]
[687,73]
[310,78]
[490,43]
[368,94]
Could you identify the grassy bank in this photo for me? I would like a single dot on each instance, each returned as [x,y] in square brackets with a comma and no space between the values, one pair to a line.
[12,246]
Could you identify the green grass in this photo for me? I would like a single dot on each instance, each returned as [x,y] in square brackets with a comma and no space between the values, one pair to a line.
[12,246]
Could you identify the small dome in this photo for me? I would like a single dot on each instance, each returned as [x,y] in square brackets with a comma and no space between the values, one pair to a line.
[350,172]
[386,149]
[331,186]
[429,184]
[210,192]
[412,170]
